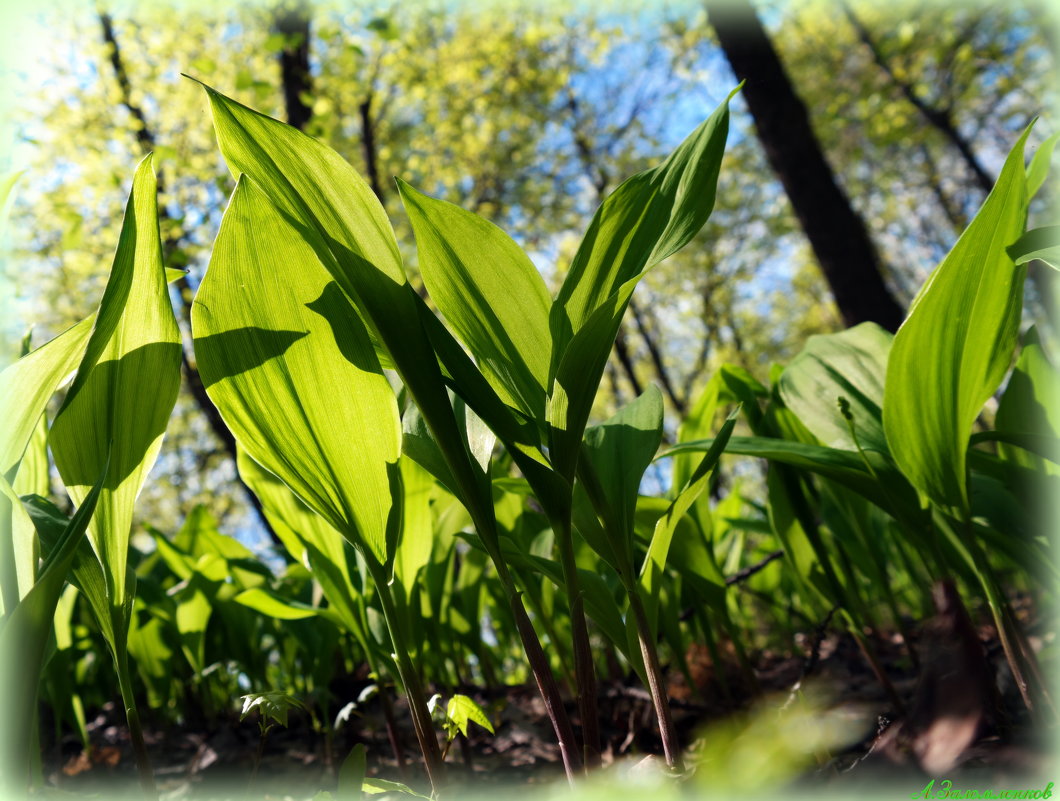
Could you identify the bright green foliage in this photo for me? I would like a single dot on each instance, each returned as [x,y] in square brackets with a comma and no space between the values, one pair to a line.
[619,451]
[272,708]
[27,385]
[24,633]
[306,301]
[1039,243]
[490,292]
[649,217]
[291,368]
[851,365]
[956,344]
[462,710]
[1031,404]
[126,384]
[652,571]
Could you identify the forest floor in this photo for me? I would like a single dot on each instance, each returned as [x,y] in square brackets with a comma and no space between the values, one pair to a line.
[949,728]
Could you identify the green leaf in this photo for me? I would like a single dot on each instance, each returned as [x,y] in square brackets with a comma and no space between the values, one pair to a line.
[461,710]
[956,344]
[351,774]
[851,365]
[1038,243]
[272,706]
[649,217]
[126,385]
[1031,403]
[619,451]
[290,367]
[888,489]
[86,573]
[490,292]
[417,531]
[25,629]
[273,605]
[376,786]
[1038,169]
[335,211]
[27,385]
[652,570]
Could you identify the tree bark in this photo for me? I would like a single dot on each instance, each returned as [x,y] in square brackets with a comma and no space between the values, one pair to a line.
[297,82]
[837,234]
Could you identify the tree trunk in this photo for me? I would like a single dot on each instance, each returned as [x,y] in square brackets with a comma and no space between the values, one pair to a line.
[293,22]
[837,234]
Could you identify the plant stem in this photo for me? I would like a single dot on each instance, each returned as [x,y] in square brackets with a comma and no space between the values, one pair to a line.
[421,717]
[671,748]
[546,682]
[136,734]
[258,754]
[584,672]
[391,725]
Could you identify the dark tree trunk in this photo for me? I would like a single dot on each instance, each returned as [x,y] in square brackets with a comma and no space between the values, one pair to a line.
[837,234]
[293,22]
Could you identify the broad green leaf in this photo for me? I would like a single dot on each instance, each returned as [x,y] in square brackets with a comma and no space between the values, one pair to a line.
[334,211]
[194,610]
[490,292]
[294,522]
[27,385]
[417,533]
[655,562]
[578,377]
[32,479]
[618,452]
[461,710]
[86,573]
[310,540]
[851,365]
[290,367]
[649,217]
[888,489]
[25,629]
[1038,243]
[376,786]
[273,605]
[125,388]
[1038,169]
[1031,403]
[351,774]
[956,343]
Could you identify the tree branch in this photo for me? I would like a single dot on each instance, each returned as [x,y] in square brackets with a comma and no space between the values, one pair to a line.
[941,119]
[171,245]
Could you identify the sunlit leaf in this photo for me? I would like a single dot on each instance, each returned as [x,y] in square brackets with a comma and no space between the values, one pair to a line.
[462,710]
[289,366]
[27,385]
[659,548]
[649,217]
[619,451]
[957,342]
[25,629]
[490,292]
[126,385]
[851,365]
[1038,243]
